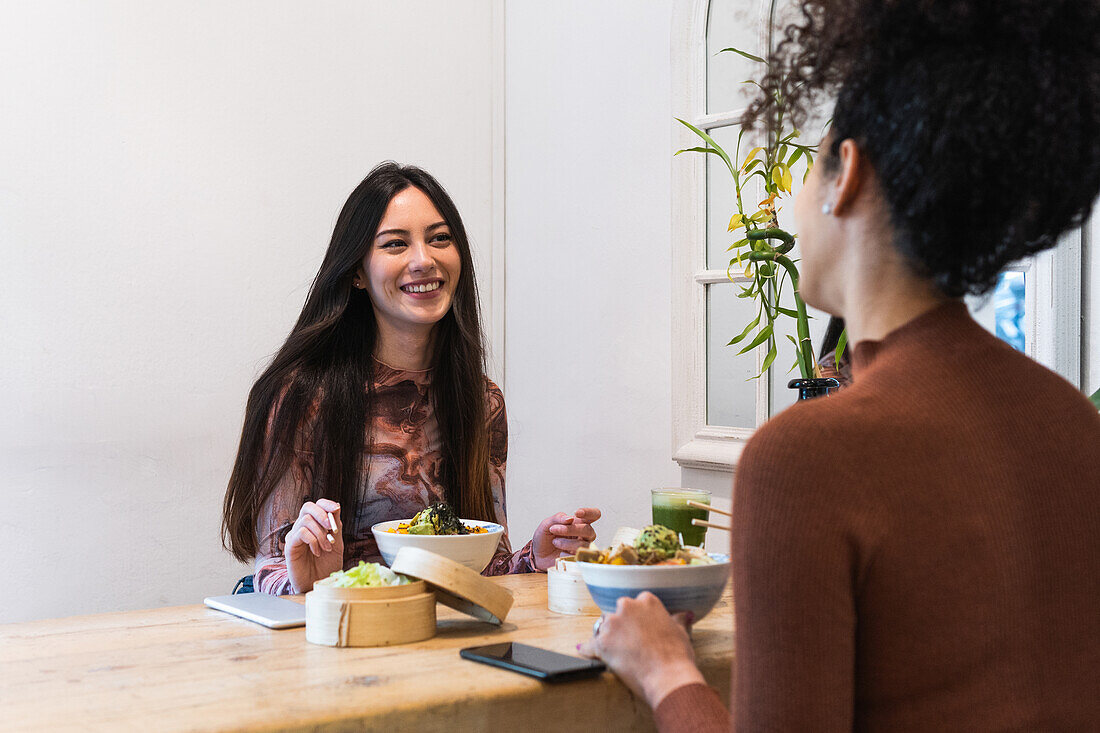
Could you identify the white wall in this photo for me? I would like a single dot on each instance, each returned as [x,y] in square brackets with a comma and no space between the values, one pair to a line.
[1090,282]
[169,177]
[588,290]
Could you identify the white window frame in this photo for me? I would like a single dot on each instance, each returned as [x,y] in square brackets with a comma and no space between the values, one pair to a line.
[1056,302]
[1052,280]
[695,444]
[1052,306]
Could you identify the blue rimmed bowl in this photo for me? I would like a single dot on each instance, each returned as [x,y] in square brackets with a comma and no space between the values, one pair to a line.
[472,550]
[694,588]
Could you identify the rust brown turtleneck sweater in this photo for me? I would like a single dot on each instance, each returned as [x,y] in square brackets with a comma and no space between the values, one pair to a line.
[918,552]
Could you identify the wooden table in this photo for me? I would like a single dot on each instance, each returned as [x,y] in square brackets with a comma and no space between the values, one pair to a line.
[192,668]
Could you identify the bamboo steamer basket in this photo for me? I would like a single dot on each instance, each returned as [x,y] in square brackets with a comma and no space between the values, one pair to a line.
[566,592]
[384,616]
[455,585]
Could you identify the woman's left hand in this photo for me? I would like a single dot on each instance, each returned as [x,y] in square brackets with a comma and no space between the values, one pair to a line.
[562,534]
[646,648]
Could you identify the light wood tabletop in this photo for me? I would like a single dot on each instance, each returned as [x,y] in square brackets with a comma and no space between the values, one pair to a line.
[193,668]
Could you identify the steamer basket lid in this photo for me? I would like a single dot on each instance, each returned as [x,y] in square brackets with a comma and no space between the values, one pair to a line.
[456,585]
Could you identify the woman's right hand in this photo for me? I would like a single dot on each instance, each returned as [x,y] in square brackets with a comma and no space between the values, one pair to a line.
[309,555]
[649,650]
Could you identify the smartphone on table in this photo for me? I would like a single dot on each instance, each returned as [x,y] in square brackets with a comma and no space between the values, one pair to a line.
[542,664]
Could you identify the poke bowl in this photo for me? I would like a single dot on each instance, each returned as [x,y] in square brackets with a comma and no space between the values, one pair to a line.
[685,579]
[474,548]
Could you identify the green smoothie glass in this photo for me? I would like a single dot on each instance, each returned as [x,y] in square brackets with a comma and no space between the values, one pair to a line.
[670,508]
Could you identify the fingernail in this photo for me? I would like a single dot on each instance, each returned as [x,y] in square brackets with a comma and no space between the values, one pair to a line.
[578,647]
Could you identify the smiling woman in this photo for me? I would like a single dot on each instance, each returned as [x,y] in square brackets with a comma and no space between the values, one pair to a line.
[378,405]
[412,268]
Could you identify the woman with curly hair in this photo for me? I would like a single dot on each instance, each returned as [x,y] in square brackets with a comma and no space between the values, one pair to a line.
[920,551]
[378,405]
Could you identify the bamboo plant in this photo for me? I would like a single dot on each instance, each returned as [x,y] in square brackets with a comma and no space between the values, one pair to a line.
[761,252]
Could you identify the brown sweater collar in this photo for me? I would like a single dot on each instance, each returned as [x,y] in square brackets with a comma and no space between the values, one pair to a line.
[946,321]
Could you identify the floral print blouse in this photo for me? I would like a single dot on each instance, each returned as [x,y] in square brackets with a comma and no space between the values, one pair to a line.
[401,476]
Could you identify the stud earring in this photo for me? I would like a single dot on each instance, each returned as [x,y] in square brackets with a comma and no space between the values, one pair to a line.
[826,208]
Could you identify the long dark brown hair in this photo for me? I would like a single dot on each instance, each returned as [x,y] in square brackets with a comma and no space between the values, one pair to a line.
[321,381]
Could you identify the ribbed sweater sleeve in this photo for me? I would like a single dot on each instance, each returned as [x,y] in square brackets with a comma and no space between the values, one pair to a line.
[692,709]
[794,558]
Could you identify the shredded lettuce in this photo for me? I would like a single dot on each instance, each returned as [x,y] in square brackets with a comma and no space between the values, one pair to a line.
[367,575]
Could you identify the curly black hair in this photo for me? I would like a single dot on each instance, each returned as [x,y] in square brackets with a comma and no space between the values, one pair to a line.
[981,119]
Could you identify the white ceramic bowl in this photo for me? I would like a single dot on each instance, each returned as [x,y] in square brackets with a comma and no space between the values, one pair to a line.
[472,550]
[694,588]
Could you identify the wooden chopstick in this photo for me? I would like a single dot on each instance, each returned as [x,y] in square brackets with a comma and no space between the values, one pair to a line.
[701,523]
[709,508]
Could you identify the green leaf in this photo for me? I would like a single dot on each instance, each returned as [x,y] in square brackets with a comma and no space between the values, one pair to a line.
[787,312]
[769,358]
[752,164]
[1096,399]
[750,157]
[802,368]
[758,173]
[745,54]
[751,326]
[782,153]
[795,156]
[761,336]
[710,141]
[735,245]
[697,150]
[840,344]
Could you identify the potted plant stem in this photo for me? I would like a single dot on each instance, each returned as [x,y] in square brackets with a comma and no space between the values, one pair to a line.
[762,252]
